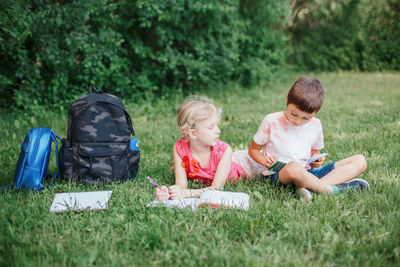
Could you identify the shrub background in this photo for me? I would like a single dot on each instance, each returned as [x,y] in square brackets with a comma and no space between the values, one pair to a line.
[52,50]
[346,35]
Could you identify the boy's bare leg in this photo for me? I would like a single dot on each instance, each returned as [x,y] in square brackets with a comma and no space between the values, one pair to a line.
[295,173]
[345,170]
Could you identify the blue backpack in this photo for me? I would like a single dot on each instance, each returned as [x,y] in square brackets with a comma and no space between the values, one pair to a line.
[34,157]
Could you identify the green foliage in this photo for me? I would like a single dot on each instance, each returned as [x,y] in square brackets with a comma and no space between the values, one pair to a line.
[181,44]
[381,35]
[263,49]
[359,115]
[346,35]
[52,50]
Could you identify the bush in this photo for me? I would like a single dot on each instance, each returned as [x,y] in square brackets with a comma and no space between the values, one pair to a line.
[181,44]
[52,50]
[263,49]
[347,35]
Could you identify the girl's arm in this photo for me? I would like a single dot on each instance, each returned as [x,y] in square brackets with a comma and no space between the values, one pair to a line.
[161,193]
[255,153]
[179,190]
[180,173]
[223,169]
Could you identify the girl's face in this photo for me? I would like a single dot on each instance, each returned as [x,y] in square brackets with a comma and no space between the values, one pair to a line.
[207,131]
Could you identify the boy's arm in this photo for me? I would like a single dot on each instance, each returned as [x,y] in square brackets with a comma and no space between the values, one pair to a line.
[318,162]
[319,143]
[257,156]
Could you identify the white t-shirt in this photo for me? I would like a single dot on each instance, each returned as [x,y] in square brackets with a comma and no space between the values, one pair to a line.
[280,138]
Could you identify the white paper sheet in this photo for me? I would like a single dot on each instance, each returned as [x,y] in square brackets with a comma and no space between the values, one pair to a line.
[236,200]
[95,200]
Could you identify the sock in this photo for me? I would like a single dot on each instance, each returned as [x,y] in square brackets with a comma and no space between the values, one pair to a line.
[335,190]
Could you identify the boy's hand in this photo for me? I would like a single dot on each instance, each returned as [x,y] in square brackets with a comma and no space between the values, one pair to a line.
[175,192]
[318,163]
[162,193]
[270,161]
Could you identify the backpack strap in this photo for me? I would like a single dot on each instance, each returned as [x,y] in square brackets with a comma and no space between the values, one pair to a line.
[54,137]
[92,88]
[6,187]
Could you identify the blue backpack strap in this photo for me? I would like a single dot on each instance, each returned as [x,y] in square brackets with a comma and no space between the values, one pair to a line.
[6,187]
[54,137]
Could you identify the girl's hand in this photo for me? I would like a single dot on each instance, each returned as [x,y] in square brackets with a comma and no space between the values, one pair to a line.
[318,163]
[162,193]
[270,161]
[175,192]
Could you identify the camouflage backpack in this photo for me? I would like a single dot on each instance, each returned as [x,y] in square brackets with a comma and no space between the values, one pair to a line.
[97,148]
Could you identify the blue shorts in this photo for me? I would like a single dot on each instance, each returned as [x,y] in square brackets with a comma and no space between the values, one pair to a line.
[319,172]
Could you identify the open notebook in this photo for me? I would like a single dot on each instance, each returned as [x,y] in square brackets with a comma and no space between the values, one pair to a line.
[281,162]
[213,199]
[95,200]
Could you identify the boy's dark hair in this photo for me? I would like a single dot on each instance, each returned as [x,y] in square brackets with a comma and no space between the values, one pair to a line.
[307,94]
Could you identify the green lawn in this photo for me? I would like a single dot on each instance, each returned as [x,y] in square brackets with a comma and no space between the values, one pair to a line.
[360,115]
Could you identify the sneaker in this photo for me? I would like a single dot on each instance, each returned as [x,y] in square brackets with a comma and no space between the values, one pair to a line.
[304,194]
[355,184]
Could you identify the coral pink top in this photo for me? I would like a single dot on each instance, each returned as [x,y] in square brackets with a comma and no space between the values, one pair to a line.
[206,175]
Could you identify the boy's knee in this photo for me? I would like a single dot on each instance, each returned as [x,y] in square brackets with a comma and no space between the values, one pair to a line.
[292,173]
[361,162]
[292,169]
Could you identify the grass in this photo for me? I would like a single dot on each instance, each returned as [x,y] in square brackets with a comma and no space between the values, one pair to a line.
[360,115]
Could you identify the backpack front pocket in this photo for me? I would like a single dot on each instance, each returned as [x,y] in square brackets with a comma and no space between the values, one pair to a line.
[134,159]
[102,162]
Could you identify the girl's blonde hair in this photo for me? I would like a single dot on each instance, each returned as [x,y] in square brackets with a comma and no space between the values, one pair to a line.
[194,111]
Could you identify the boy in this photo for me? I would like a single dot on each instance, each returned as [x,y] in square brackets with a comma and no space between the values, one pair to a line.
[295,134]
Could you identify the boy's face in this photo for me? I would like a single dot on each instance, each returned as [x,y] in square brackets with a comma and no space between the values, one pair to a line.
[296,116]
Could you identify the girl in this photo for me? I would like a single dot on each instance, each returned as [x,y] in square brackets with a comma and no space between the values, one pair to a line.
[199,154]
